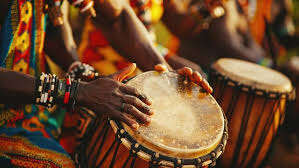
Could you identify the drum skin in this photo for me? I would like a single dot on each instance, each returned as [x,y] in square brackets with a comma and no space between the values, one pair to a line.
[253,119]
[104,147]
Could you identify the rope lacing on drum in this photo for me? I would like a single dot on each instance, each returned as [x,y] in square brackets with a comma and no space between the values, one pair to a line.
[178,163]
[260,92]
[135,148]
[269,96]
[154,160]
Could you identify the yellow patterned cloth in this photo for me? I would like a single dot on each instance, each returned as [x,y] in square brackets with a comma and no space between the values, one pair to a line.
[27,132]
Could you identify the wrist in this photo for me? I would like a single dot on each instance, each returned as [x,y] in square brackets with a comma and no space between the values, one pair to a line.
[81,95]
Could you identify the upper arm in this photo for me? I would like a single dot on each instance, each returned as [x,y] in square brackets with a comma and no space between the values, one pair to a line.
[109,10]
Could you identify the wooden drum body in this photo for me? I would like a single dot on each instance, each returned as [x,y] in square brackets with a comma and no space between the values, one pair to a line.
[254,100]
[188,129]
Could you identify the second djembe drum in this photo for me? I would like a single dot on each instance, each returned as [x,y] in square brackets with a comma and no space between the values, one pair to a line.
[188,129]
[254,99]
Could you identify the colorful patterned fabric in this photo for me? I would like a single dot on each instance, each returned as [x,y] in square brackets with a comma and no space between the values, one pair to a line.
[30,126]
[257,11]
[95,49]
[259,15]
[21,148]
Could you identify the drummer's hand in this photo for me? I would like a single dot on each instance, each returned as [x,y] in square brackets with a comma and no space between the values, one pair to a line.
[194,76]
[117,100]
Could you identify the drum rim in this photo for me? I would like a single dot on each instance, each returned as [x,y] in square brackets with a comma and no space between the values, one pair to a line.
[247,88]
[168,150]
[206,159]
[136,148]
[261,87]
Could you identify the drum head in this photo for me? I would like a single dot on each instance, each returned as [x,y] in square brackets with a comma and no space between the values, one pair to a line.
[187,122]
[253,75]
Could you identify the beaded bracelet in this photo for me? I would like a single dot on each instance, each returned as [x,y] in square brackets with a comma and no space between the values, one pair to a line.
[49,90]
[80,70]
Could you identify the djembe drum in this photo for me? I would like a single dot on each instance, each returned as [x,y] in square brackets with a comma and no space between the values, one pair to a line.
[188,129]
[254,99]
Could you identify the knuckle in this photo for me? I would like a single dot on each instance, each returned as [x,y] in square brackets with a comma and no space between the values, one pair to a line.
[135,91]
[122,116]
[116,93]
[131,108]
[135,99]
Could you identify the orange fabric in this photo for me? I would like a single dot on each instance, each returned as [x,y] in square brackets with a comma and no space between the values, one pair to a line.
[257,23]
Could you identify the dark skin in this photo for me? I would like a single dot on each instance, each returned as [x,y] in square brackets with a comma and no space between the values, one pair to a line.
[103,96]
[108,92]
[119,23]
[60,39]
[227,36]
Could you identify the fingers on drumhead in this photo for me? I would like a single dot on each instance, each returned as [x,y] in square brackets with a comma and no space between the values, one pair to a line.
[139,116]
[132,91]
[161,68]
[207,86]
[138,104]
[186,71]
[128,120]
[197,77]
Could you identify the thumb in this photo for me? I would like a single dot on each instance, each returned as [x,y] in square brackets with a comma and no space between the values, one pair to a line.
[161,68]
[122,74]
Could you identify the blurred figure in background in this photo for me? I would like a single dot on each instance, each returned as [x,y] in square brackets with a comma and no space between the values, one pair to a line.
[226,36]
[98,50]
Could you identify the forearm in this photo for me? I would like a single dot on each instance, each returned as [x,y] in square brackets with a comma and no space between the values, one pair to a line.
[15,87]
[57,51]
[18,88]
[177,62]
[130,38]
[236,49]
[60,44]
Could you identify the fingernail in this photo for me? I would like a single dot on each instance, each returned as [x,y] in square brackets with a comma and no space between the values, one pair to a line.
[149,101]
[151,112]
[148,119]
[148,108]
[211,89]
[135,126]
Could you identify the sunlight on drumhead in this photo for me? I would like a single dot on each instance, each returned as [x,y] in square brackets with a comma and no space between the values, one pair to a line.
[185,117]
